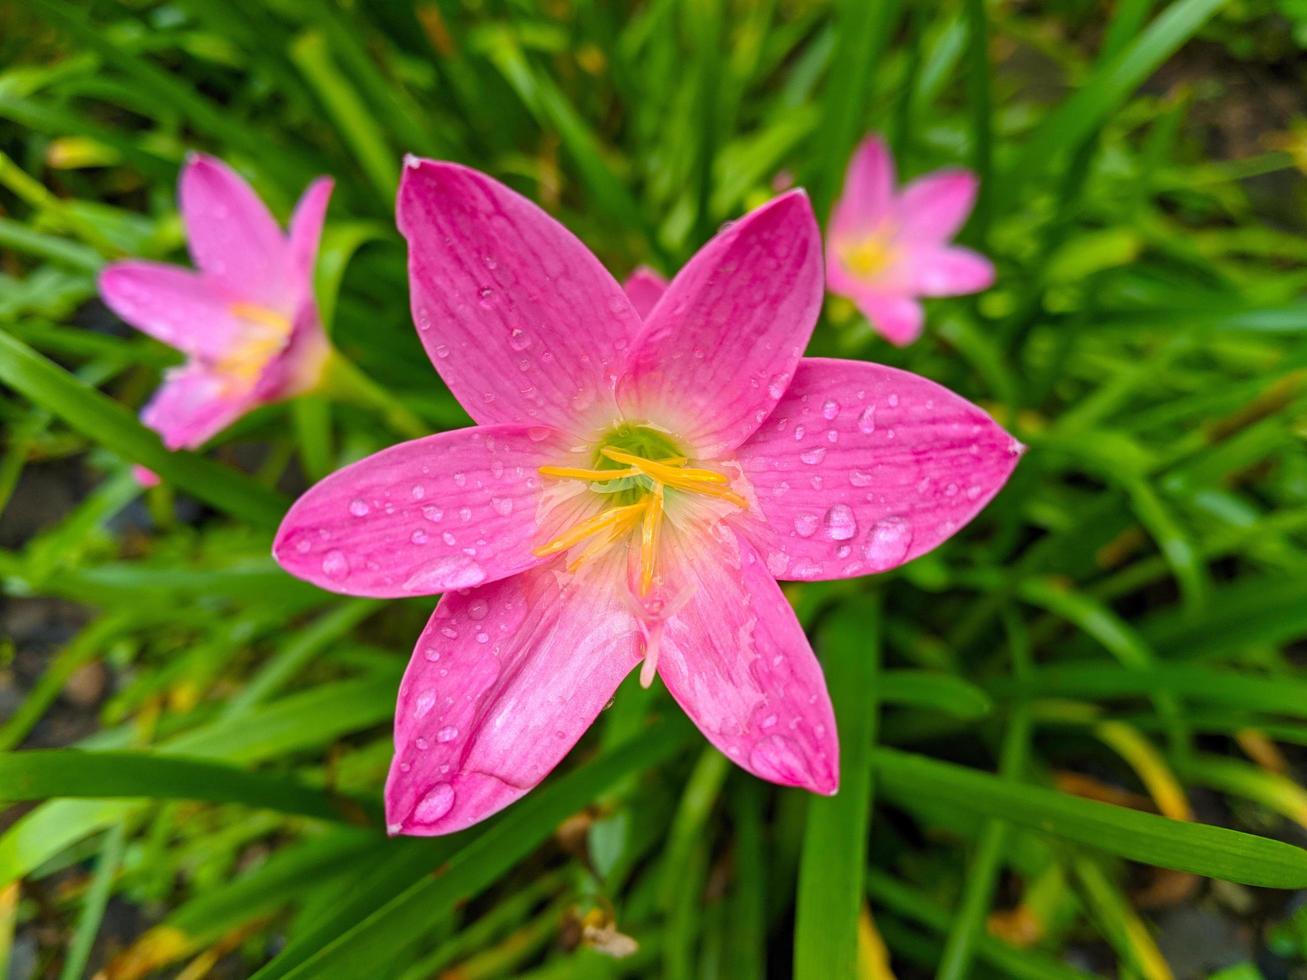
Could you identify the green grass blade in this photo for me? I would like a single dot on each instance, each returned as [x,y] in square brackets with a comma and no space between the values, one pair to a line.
[102,419]
[1214,852]
[834,850]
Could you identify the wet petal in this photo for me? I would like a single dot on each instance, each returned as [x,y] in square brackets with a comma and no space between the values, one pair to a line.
[895,317]
[720,347]
[863,467]
[232,236]
[306,231]
[194,404]
[645,288]
[504,680]
[520,319]
[949,270]
[735,658]
[933,208]
[448,511]
[172,305]
[868,191]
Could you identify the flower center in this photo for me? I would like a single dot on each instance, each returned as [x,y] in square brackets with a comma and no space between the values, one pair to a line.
[268,333]
[870,255]
[633,469]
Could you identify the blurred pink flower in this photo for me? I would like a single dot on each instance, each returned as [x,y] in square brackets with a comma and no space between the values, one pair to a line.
[246,321]
[886,250]
[631,492]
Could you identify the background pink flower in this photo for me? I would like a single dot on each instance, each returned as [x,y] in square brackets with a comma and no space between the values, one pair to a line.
[887,249]
[246,319]
[631,492]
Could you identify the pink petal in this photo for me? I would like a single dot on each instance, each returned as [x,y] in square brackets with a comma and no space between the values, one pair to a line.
[175,306]
[949,270]
[720,347]
[735,658]
[868,190]
[144,477]
[306,230]
[897,318]
[520,319]
[863,467]
[448,511]
[933,208]
[503,682]
[194,404]
[644,288]
[232,236]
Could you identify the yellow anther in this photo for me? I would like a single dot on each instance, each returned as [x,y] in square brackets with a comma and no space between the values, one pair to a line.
[608,527]
[595,524]
[664,472]
[591,476]
[653,519]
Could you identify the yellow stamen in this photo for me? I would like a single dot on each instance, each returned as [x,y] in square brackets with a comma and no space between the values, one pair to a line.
[263,316]
[595,524]
[593,476]
[662,472]
[653,519]
[611,526]
[868,256]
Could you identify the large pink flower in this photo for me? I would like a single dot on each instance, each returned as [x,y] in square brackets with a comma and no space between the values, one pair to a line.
[631,492]
[246,321]
[889,249]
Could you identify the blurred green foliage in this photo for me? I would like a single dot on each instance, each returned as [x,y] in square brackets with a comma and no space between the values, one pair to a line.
[1120,632]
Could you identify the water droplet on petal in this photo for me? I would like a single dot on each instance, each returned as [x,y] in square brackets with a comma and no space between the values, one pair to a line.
[425,701]
[433,514]
[335,565]
[840,523]
[359,508]
[813,456]
[477,609]
[888,543]
[503,506]
[867,420]
[830,410]
[438,802]
[442,351]
[519,339]
[418,491]
[860,479]
[805,525]
[447,734]
[418,537]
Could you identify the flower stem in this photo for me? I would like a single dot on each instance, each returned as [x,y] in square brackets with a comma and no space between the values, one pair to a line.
[343,380]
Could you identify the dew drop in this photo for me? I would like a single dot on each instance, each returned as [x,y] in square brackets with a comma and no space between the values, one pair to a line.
[477,609]
[805,525]
[359,508]
[860,479]
[867,420]
[888,543]
[830,410]
[418,537]
[503,506]
[335,565]
[840,523]
[418,491]
[447,734]
[438,802]
[425,701]
[813,456]
[433,514]
[519,339]
[442,351]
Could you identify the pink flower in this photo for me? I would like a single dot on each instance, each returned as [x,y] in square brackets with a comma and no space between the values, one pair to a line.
[886,250]
[629,496]
[246,321]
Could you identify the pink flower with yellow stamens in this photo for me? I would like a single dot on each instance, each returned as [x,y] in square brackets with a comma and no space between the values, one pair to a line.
[246,320]
[889,249]
[631,492]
